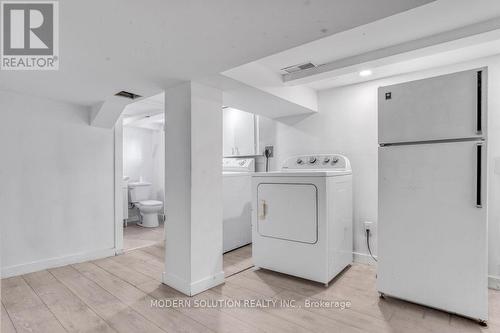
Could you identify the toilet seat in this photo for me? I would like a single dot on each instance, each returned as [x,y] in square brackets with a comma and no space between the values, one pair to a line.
[150,203]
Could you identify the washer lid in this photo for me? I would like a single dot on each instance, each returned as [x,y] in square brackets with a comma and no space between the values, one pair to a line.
[151,203]
[236,174]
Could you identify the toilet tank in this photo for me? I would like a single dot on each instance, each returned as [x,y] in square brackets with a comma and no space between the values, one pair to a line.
[139,191]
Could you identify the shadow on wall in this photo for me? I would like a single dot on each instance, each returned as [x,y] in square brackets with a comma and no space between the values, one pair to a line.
[293,120]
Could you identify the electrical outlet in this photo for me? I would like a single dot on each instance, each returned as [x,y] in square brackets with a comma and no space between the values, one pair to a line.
[269,150]
[368,225]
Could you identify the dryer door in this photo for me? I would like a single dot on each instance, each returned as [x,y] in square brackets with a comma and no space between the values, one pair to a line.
[288,212]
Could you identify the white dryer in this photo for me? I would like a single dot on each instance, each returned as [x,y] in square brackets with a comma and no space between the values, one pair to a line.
[302,217]
[237,190]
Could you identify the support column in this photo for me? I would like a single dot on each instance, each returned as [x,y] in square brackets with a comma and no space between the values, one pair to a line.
[193,188]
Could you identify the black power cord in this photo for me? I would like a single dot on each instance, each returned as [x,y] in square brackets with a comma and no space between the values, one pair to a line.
[267,154]
[368,244]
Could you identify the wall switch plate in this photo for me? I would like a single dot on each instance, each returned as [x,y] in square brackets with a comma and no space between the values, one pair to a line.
[269,149]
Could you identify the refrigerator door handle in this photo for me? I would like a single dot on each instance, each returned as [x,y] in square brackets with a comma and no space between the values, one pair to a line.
[479,149]
[479,101]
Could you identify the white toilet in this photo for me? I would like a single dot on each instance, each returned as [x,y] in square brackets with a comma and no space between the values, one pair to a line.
[139,195]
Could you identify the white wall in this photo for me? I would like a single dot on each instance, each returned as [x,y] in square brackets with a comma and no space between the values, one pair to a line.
[266,137]
[57,185]
[159,164]
[347,123]
[144,156]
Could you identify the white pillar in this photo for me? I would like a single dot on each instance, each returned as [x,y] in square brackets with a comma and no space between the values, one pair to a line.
[193,188]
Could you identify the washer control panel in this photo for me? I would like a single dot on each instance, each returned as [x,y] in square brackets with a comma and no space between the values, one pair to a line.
[317,162]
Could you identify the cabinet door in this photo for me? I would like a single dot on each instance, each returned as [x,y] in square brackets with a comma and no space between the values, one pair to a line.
[239,132]
[227,133]
[444,107]
[288,211]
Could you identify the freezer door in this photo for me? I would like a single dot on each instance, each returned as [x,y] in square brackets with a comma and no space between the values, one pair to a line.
[445,107]
[288,212]
[432,241]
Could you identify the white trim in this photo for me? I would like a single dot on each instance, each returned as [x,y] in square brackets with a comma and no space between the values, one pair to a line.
[193,288]
[207,283]
[118,179]
[494,282]
[364,258]
[55,262]
[177,283]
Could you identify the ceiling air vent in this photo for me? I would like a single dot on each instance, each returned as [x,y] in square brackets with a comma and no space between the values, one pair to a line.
[297,68]
[127,94]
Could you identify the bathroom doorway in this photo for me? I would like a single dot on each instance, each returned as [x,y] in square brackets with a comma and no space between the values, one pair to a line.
[143,174]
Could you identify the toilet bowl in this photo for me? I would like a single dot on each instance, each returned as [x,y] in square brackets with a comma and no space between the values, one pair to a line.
[139,196]
[149,210]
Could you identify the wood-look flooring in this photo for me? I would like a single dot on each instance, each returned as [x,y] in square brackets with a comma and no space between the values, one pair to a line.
[136,237]
[116,295]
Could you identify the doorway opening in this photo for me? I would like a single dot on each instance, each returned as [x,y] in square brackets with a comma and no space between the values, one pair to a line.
[143,172]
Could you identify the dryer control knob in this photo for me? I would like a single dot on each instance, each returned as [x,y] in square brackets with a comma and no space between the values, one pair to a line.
[300,161]
[335,160]
[312,160]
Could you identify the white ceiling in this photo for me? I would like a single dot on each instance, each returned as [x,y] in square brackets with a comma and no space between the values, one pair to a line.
[145,46]
[439,33]
[156,122]
[146,113]
[146,107]
[443,55]
[436,17]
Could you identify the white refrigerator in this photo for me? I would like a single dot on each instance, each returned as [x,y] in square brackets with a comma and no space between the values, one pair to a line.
[432,236]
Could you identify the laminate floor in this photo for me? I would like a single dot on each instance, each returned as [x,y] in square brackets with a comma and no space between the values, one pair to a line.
[125,294]
[136,237]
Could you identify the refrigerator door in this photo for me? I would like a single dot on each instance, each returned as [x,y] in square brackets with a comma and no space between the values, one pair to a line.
[432,241]
[445,107]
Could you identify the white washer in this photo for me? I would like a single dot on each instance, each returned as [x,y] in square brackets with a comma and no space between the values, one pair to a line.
[302,217]
[237,230]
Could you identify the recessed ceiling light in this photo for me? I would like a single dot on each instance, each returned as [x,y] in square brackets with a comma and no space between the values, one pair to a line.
[365,72]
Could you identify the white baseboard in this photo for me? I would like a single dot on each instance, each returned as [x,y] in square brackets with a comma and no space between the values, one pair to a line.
[494,282]
[177,283]
[207,283]
[364,258]
[193,288]
[55,262]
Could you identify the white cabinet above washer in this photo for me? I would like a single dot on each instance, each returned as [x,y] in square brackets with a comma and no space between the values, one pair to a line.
[239,133]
